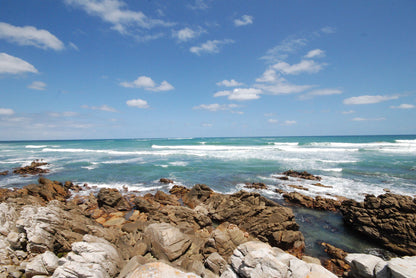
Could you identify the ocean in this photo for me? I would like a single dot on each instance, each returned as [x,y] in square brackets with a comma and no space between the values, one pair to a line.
[350,166]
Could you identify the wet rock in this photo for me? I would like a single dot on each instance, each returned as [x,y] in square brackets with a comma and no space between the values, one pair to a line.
[336,264]
[389,219]
[159,269]
[321,185]
[298,187]
[4,173]
[165,180]
[303,175]
[93,257]
[256,185]
[33,169]
[318,202]
[283,178]
[166,241]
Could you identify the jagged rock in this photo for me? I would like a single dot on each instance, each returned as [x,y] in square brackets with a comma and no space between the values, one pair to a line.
[186,217]
[42,264]
[216,263]
[303,175]
[146,205]
[319,202]
[47,190]
[8,217]
[259,216]
[336,264]
[93,257]
[197,195]
[389,219]
[257,185]
[166,241]
[179,190]
[258,259]
[165,180]
[112,198]
[166,199]
[159,269]
[32,169]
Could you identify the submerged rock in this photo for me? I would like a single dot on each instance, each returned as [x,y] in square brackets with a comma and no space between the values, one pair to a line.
[303,175]
[256,185]
[33,169]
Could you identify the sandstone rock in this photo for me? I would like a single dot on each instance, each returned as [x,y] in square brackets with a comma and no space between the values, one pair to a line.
[362,265]
[47,190]
[216,263]
[389,219]
[197,195]
[93,257]
[309,202]
[166,199]
[179,190]
[32,169]
[336,264]
[159,269]
[112,198]
[166,241]
[303,175]
[42,264]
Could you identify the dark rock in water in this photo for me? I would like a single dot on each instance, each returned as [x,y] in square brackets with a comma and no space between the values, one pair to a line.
[256,185]
[32,169]
[336,263]
[389,219]
[164,180]
[4,173]
[318,202]
[303,175]
[283,178]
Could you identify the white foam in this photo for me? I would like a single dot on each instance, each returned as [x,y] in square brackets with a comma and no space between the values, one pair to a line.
[179,163]
[332,170]
[35,146]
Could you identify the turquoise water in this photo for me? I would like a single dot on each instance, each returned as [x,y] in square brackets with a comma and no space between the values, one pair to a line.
[352,165]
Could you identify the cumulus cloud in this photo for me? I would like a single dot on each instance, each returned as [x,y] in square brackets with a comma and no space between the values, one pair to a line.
[273,121]
[13,65]
[368,99]
[316,53]
[403,106]
[6,111]
[103,107]
[240,94]
[320,92]
[244,20]
[211,46]
[282,50]
[308,66]
[277,85]
[148,84]
[37,85]
[117,14]
[186,34]
[29,35]
[139,103]
[229,83]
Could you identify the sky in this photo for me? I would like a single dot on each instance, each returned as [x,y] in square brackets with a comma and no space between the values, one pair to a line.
[96,69]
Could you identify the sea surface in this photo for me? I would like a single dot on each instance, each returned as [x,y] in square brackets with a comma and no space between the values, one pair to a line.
[350,166]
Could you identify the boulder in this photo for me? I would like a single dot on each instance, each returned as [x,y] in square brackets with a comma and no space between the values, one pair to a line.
[47,190]
[42,264]
[166,241]
[197,195]
[389,219]
[256,185]
[179,190]
[258,259]
[402,267]
[93,257]
[159,269]
[33,169]
[303,175]
[362,265]
[165,180]
[216,263]
[112,198]
[165,199]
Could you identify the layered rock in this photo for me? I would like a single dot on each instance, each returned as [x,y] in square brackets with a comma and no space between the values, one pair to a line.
[389,219]
[33,169]
[302,175]
[318,202]
[159,269]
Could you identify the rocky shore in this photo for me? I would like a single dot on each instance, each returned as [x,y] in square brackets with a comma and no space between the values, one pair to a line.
[49,230]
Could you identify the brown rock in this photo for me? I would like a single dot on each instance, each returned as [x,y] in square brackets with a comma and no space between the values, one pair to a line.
[112,198]
[389,219]
[298,187]
[47,190]
[4,173]
[166,199]
[198,194]
[303,175]
[179,190]
[336,263]
[321,185]
[32,169]
[256,185]
[164,180]
[319,202]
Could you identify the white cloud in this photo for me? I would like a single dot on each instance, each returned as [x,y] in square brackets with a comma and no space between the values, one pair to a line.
[240,94]
[281,51]
[244,20]
[268,76]
[358,119]
[29,35]
[186,34]
[6,111]
[269,114]
[320,92]
[308,66]
[222,93]
[289,122]
[37,85]
[14,65]
[63,114]
[278,85]
[116,13]
[148,84]
[273,121]
[103,107]
[348,112]
[206,125]
[366,99]
[199,5]
[73,46]
[139,103]
[211,46]
[215,107]
[328,30]
[403,106]
[229,83]
[315,53]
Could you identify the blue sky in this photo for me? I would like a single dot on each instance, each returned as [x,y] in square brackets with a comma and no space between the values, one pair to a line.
[75,69]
